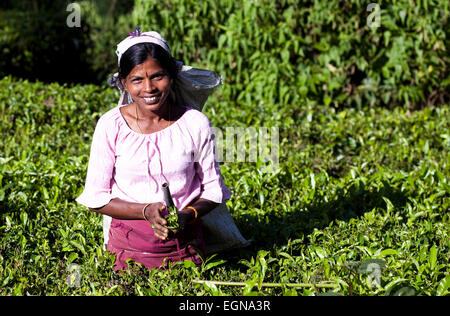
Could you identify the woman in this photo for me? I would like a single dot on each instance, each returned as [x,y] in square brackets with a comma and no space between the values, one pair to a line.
[154,136]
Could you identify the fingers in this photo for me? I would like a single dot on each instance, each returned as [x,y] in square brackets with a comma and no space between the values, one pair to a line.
[154,214]
[159,228]
[158,223]
[161,232]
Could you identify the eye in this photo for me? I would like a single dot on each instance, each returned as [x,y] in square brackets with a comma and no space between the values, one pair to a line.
[159,76]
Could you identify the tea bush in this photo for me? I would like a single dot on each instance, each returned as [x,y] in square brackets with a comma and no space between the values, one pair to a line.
[275,54]
[37,43]
[355,189]
[272,54]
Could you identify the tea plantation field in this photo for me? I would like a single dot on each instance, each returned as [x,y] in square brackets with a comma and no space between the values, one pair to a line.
[358,206]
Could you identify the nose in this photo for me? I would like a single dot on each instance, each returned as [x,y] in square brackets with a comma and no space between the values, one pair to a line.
[148,85]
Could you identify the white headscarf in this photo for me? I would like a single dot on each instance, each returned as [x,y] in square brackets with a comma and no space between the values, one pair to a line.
[192,86]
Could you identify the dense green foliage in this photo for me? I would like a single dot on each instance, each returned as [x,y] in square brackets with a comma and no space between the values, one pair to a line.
[285,51]
[37,43]
[270,52]
[361,196]
[354,188]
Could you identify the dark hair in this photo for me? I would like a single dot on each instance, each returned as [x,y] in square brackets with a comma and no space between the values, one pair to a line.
[137,54]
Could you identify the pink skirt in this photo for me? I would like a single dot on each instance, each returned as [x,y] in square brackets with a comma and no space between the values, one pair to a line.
[134,239]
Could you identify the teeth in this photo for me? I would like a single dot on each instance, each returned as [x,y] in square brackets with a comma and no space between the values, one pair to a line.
[150,99]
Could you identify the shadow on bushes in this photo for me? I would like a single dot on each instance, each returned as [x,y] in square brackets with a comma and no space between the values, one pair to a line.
[274,230]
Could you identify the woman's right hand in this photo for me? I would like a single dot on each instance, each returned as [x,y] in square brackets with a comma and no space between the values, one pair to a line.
[153,215]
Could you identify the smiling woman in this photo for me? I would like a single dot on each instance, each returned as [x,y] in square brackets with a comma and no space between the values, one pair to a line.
[153,137]
[149,86]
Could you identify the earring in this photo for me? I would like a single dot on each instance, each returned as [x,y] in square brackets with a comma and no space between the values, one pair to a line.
[130,99]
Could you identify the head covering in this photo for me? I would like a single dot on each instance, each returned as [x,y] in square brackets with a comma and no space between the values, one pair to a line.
[192,86]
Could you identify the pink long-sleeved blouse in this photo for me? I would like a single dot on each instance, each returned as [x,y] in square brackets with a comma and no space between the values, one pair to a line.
[132,166]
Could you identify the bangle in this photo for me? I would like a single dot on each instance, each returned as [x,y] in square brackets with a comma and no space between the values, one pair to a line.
[195,212]
[143,211]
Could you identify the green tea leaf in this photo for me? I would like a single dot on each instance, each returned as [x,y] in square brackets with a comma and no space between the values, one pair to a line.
[443,286]
[432,259]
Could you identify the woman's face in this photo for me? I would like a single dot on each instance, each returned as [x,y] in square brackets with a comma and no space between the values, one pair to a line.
[149,85]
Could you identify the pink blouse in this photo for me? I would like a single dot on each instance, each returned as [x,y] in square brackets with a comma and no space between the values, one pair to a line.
[132,166]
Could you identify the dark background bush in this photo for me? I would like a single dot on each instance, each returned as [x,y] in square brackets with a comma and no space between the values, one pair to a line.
[37,44]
